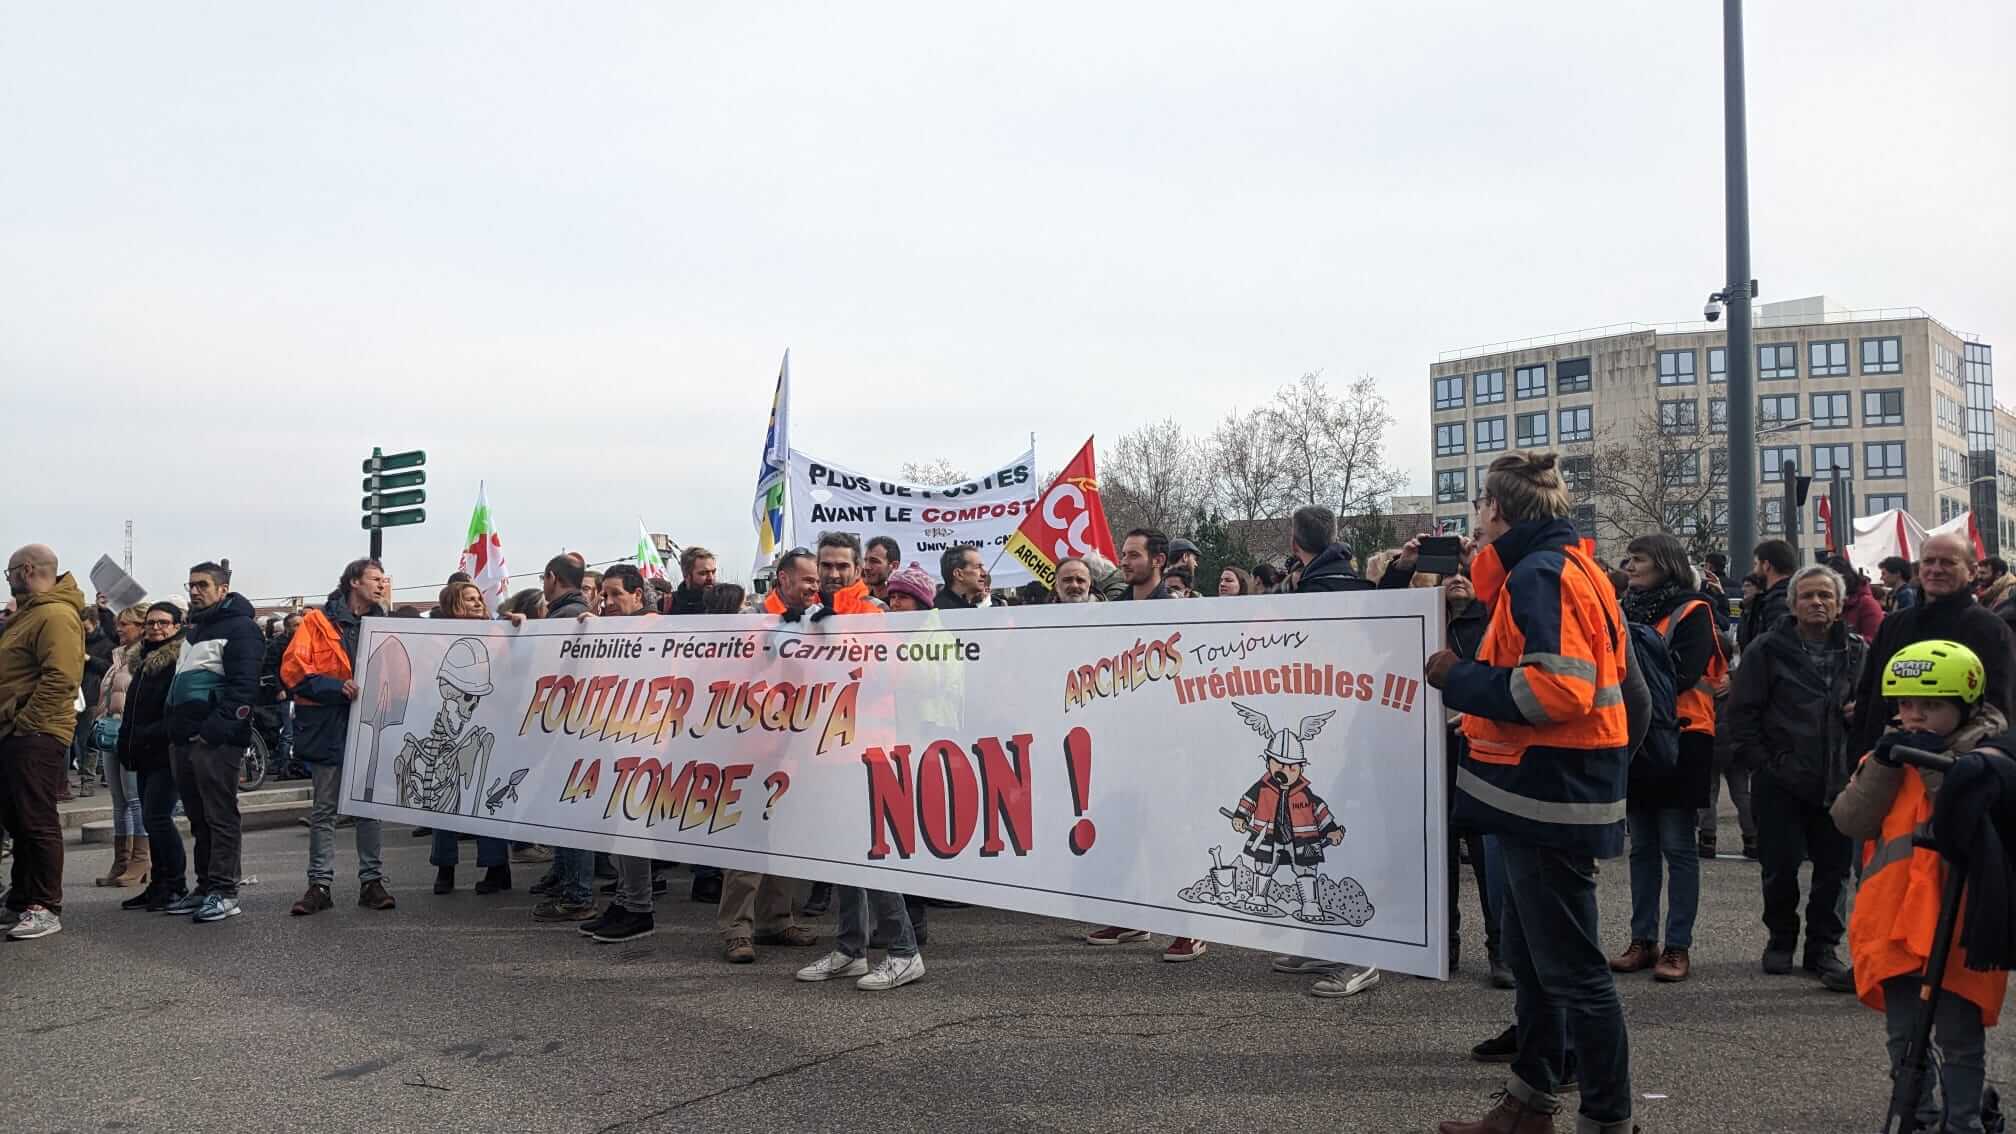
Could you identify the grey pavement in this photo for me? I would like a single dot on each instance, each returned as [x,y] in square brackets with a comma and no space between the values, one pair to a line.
[460,1013]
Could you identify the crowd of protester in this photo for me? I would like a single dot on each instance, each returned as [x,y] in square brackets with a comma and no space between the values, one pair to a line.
[1593,709]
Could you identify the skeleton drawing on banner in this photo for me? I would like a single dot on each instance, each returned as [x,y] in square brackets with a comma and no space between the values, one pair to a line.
[432,771]
[1286,824]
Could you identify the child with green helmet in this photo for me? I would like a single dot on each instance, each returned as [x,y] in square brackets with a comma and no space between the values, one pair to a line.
[1937,687]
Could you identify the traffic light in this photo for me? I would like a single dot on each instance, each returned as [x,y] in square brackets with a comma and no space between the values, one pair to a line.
[386,508]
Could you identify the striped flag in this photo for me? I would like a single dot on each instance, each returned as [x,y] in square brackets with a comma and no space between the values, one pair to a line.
[770,478]
[649,564]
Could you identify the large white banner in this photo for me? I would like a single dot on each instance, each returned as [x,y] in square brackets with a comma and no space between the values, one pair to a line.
[1265,772]
[924,519]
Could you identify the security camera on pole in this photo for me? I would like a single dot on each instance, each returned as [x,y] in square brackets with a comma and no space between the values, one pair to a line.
[388,509]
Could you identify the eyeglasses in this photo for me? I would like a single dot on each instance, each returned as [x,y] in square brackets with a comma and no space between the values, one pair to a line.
[160,624]
[1479,501]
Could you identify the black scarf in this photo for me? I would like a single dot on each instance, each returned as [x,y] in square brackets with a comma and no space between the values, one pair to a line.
[1650,606]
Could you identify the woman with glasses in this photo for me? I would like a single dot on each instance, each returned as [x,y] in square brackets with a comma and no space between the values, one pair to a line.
[130,857]
[143,750]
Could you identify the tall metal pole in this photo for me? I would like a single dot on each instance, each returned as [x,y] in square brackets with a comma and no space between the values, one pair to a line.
[1736,298]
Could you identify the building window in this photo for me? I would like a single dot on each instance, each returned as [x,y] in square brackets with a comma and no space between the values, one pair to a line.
[1830,411]
[1718,465]
[1947,412]
[1830,459]
[1882,356]
[1682,519]
[1489,434]
[1718,415]
[1879,504]
[1452,486]
[1827,360]
[1718,364]
[1778,360]
[1771,462]
[1771,515]
[1777,409]
[1453,525]
[1883,460]
[1449,440]
[1532,429]
[1882,407]
[1488,387]
[1952,467]
[1571,376]
[1677,468]
[1530,382]
[1578,473]
[1449,392]
[1585,520]
[1679,417]
[1676,368]
[1576,425]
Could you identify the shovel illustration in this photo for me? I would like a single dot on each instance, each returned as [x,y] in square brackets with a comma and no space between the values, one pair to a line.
[388,682]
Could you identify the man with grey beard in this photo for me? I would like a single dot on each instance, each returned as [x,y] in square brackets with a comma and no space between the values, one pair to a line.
[1073,582]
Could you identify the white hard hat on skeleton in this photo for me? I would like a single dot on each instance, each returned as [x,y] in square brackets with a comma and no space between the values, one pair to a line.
[466,667]
[1284,745]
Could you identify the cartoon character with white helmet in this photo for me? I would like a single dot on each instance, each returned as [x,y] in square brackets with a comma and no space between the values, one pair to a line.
[432,771]
[1284,822]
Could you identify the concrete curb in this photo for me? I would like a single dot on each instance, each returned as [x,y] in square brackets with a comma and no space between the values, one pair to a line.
[255,813]
[86,812]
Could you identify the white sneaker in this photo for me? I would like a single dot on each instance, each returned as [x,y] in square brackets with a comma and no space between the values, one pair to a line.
[1305,966]
[215,908]
[893,972]
[1347,982]
[36,921]
[834,964]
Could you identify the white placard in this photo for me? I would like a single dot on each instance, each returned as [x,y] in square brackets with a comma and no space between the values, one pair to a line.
[923,519]
[1082,762]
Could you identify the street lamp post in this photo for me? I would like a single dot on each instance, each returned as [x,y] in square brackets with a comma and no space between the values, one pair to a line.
[1736,293]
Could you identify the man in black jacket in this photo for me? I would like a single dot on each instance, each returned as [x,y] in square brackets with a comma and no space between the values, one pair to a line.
[1785,719]
[210,709]
[1326,564]
[1947,612]
[696,574]
[1775,563]
[962,568]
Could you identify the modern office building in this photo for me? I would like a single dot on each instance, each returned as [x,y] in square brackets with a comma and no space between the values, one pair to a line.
[1894,400]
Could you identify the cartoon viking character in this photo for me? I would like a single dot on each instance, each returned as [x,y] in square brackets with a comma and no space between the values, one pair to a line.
[431,772]
[1284,822]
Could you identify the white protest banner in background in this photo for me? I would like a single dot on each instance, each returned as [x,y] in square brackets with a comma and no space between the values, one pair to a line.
[1265,771]
[923,519]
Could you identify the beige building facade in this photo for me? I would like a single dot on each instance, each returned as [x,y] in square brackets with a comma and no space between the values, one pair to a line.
[1894,400]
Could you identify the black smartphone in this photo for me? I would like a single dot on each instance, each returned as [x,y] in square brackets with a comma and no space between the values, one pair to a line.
[1440,555]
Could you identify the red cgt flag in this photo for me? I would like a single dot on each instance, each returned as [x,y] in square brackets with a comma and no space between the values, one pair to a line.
[1068,521]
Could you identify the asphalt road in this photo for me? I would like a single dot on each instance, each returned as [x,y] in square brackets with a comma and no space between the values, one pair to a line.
[460,1013]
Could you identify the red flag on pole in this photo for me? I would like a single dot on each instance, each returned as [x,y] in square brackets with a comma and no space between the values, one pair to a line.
[1069,520]
[1827,525]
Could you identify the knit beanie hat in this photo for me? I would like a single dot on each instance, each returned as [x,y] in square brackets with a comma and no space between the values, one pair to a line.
[914,582]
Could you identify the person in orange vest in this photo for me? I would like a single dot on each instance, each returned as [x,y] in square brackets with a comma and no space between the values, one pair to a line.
[1937,687]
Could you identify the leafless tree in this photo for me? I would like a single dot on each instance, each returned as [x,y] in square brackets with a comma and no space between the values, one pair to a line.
[1249,477]
[1333,449]
[933,473]
[1154,478]
[1666,470]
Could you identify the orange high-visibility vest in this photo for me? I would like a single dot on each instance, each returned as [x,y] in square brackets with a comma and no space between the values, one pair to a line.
[316,648]
[1897,910]
[1696,705]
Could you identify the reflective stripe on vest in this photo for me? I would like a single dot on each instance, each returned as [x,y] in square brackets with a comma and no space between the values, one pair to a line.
[1696,703]
[1893,851]
[1537,810]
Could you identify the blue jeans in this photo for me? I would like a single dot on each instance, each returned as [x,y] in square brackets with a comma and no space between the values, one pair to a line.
[1960,1068]
[574,871]
[889,912]
[446,852]
[170,868]
[1549,925]
[1665,833]
[125,797]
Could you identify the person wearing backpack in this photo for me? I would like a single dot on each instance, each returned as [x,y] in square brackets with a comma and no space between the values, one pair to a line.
[1664,797]
[1786,719]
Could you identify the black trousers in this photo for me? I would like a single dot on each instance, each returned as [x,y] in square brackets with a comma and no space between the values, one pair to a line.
[1790,831]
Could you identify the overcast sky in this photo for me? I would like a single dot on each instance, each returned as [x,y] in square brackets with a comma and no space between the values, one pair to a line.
[563,247]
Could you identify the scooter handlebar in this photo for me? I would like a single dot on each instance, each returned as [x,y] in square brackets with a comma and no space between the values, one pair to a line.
[1919,758]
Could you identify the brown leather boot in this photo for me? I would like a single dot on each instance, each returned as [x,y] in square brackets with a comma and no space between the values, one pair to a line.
[1673,966]
[120,850]
[139,862]
[1510,1116]
[1638,957]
